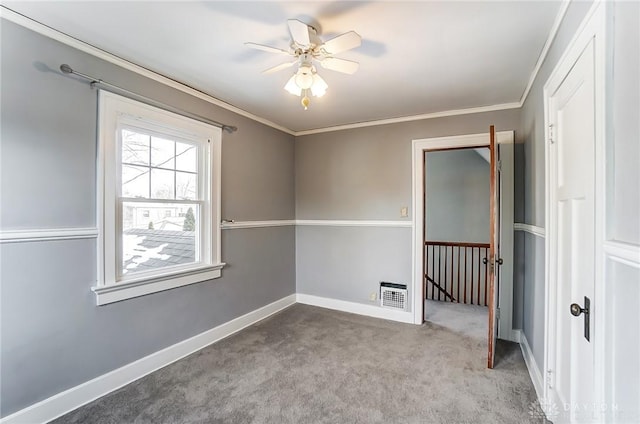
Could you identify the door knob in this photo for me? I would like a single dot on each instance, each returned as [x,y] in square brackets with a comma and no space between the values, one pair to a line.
[577,310]
[499,261]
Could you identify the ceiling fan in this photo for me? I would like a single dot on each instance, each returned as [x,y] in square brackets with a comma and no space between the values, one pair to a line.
[306,48]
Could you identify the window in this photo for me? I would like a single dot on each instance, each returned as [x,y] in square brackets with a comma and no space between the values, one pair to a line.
[160,183]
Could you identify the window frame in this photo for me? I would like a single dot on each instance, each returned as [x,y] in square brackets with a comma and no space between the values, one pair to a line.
[115,113]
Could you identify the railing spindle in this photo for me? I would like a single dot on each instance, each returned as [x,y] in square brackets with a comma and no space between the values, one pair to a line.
[486,277]
[439,259]
[465,274]
[458,289]
[451,274]
[478,280]
[473,260]
[445,269]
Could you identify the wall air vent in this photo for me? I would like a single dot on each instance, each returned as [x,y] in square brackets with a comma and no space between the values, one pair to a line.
[393,295]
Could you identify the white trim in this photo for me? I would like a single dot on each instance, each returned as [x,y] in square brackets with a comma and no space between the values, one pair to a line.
[73,398]
[63,38]
[455,112]
[545,50]
[352,223]
[532,365]
[355,308]
[516,335]
[111,293]
[628,254]
[231,225]
[531,229]
[47,234]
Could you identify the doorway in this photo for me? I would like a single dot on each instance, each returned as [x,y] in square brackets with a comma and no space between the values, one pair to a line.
[504,292]
[456,239]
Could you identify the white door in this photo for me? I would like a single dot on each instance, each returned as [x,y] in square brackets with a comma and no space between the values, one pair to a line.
[571,109]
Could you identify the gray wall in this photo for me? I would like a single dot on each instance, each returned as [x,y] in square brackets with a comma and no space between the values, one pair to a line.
[624,122]
[364,174]
[348,263]
[53,337]
[519,236]
[457,203]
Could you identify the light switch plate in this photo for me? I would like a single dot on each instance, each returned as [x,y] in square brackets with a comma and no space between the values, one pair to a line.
[404,212]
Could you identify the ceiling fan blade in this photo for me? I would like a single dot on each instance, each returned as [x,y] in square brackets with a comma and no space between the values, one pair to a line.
[299,32]
[343,42]
[279,67]
[266,48]
[340,65]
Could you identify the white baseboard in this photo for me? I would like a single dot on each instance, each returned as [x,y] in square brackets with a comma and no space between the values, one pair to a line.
[73,398]
[355,308]
[516,335]
[532,366]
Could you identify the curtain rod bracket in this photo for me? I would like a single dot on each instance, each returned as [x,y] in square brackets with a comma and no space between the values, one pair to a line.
[66,69]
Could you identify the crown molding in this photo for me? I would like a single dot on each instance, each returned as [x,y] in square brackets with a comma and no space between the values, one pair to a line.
[70,41]
[442,114]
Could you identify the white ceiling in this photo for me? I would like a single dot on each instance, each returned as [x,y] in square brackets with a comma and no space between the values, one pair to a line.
[416,57]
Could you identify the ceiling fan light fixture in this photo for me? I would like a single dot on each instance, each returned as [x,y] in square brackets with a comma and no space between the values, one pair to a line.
[292,87]
[319,86]
[304,77]
[307,48]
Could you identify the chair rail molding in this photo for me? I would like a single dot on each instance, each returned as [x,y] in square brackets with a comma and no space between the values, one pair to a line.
[47,234]
[628,254]
[531,229]
[353,223]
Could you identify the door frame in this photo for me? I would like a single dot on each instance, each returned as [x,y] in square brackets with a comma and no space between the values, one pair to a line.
[592,29]
[419,146]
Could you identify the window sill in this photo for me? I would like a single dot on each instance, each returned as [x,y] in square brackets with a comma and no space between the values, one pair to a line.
[126,290]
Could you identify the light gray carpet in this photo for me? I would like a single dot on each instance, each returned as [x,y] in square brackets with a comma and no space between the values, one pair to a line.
[313,365]
[470,320]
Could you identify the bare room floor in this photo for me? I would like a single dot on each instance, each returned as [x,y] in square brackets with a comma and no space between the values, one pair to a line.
[313,365]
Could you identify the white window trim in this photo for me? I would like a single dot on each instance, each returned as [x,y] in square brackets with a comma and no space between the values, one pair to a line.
[115,110]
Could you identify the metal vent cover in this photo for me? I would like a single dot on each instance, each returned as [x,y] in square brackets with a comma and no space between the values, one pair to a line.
[393,296]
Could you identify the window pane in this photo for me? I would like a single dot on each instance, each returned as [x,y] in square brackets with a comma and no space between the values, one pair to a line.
[135,181]
[186,186]
[135,148]
[162,152]
[162,184]
[186,157]
[158,240]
